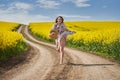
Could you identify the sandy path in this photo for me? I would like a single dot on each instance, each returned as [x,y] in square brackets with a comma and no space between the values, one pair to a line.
[37,68]
[87,66]
[77,65]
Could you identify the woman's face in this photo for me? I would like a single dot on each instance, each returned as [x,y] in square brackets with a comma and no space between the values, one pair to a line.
[59,20]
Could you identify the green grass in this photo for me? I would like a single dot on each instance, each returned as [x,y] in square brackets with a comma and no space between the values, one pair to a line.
[16,28]
[7,53]
[111,51]
[41,37]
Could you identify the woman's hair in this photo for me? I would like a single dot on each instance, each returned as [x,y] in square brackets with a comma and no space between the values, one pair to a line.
[59,17]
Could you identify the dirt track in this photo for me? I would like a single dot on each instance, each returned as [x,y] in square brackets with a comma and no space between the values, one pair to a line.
[77,65]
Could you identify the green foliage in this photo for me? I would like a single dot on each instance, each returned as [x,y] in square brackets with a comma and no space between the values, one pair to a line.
[7,53]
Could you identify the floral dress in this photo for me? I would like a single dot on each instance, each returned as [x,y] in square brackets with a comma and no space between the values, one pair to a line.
[61,28]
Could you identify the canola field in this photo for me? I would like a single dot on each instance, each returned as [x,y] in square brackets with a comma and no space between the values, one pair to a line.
[11,42]
[102,38]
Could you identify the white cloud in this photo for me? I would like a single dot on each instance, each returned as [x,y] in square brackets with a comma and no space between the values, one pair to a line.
[74,16]
[78,3]
[19,12]
[20,6]
[22,17]
[52,4]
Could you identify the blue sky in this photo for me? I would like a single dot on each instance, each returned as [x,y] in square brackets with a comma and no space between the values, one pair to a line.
[25,11]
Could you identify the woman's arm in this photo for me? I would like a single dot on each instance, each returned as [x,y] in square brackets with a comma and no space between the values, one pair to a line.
[54,26]
[65,29]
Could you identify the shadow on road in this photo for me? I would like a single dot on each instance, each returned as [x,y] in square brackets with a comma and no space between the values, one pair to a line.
[87,65]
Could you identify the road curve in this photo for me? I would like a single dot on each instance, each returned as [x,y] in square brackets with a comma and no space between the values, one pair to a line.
[77,65]
[86,66]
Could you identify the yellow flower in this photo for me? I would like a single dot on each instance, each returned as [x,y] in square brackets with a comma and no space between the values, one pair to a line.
[7,37]
[105,32]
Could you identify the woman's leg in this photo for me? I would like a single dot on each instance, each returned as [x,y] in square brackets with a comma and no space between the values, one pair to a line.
[62,44]
[57,45]
[61,55]
[56,41]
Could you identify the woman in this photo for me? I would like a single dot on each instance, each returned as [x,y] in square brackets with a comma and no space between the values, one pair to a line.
[61,37]
[60,27]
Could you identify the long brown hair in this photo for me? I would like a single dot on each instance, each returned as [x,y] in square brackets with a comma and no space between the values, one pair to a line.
[59,17]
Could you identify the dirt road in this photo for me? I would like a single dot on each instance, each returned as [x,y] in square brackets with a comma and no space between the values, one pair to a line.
[77,65]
